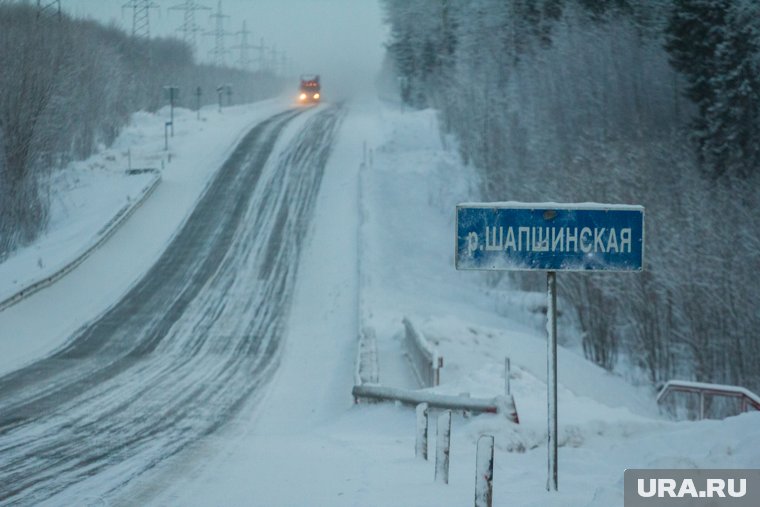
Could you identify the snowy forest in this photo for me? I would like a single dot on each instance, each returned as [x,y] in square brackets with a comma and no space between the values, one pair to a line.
[68,86]
[651,102]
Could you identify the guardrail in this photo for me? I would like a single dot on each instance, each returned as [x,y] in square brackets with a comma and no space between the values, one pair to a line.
[102,235]
[748,398]
[500,404]
[423,358]
[367,369]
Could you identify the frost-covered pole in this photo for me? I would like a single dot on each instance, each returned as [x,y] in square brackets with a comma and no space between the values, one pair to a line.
[507,387]
[484,472]
[551,378]
[701,405]
[442,447]
[421,442]
[172,91]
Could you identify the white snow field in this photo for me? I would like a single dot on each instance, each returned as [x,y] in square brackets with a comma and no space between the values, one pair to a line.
[302,441]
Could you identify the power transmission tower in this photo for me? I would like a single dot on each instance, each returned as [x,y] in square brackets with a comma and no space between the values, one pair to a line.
[261,60]
[272,63]
[140,17]
[189,28]
[49,8]
[245,58]
[219,34]
[284,64]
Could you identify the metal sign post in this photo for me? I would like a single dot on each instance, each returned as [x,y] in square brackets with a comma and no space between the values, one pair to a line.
[551,378]
[550,237]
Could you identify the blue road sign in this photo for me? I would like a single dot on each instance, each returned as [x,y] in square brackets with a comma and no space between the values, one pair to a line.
[549,237]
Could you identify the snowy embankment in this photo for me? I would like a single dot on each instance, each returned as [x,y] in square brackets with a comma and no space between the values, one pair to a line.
[90,198]
[306,443]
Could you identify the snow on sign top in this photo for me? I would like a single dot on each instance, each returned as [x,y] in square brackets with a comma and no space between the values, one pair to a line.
[551,205]
[549,236]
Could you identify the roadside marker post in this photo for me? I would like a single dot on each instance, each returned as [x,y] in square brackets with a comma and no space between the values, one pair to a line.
[507,372]
[171,93]
[228,91]
[442,447]
[421,439]
[550,237]
[484,471]
[198,94]
[220,92]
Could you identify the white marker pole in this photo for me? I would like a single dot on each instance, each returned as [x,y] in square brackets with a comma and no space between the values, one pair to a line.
[551,377]
[421,441]
[484,472]
[443,447]
[507,387]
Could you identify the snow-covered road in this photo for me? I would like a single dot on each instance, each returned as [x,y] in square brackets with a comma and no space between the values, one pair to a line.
[187,345]
[224,376]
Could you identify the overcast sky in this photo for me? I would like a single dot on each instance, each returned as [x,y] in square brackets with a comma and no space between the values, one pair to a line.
[340,39]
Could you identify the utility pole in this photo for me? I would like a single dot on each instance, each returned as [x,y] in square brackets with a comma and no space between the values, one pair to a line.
[49,7]
[140,17]
[219,34]
[244,61]
[189,28]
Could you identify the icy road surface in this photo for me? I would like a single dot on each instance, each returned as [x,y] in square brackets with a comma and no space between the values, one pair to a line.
[185,347]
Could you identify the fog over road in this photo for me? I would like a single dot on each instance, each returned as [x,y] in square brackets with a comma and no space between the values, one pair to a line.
[175,358]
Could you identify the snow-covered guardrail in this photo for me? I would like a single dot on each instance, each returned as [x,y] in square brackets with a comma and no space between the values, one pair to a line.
[747,397]
[100,237]
[500,404]
[423,358]
[367,370]
[366,358]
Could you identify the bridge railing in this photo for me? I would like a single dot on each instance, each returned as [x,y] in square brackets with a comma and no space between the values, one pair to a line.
[423,358]
[747,399]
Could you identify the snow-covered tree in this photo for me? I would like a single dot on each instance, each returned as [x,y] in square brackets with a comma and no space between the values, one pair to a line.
[716,44]
[581,100]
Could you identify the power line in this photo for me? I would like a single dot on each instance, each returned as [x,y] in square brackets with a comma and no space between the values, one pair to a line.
[140,17]
[284,63]
[189,28]
[272,62]
[245,58]
[49,8]
[219,33]
[277,61]
[261,60]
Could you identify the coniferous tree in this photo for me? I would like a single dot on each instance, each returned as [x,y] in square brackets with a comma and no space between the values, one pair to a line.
[714,44]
